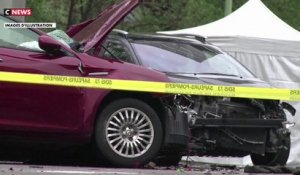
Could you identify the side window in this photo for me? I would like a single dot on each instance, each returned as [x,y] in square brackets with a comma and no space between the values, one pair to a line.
[17,37]
[118,50]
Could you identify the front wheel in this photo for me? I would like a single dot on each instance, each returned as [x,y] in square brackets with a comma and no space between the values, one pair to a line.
[128,133]
[272,159]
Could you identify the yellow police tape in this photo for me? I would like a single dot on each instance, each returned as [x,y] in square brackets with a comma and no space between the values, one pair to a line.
[147,86]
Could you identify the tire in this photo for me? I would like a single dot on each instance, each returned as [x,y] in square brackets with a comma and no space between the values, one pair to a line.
[128,139]
[273,159]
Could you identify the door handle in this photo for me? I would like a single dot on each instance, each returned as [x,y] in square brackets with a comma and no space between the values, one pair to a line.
[1,60]
[98,73]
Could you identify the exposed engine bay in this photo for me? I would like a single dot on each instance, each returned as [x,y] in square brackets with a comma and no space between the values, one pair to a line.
[221,126]
[197,107]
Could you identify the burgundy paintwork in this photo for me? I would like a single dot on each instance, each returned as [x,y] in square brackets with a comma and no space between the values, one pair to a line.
[48,44]
[91,34]
[61,112]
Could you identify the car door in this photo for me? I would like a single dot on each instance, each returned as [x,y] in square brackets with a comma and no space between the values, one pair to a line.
[30,107]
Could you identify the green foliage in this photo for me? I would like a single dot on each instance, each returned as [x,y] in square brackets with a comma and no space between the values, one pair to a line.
[48,11]
[152,15]
[287,10]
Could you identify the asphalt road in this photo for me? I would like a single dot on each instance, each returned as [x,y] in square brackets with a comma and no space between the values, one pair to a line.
[15,169]
[16,163]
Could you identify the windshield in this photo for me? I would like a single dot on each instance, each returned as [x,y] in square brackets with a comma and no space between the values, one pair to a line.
[187,58]
[15,37]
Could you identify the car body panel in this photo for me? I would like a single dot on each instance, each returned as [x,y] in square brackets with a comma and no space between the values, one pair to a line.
[218,80]
[27,107]
[93,31]
[115,70]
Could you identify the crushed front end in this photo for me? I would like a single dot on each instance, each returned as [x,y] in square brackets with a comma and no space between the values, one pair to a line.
[218,126]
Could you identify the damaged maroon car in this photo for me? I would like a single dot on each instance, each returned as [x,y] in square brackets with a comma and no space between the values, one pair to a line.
[218,126]
[127,128]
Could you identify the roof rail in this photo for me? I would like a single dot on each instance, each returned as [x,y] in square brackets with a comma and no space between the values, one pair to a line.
[122,33]
[188,35]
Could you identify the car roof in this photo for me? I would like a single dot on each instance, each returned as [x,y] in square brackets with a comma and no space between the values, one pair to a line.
[184,38]
[161,37]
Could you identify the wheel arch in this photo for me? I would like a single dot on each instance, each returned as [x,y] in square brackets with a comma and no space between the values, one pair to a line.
[149,98]
[174,128]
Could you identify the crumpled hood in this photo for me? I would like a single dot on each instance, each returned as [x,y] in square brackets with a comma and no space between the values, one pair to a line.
[217,80]
[92,32]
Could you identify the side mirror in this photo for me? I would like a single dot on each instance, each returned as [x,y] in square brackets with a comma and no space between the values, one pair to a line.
[50,45]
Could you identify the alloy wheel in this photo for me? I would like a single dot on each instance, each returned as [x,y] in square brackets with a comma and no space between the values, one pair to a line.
[129,132]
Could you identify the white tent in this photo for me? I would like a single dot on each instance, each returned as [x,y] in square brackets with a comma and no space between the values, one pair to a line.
[266,45]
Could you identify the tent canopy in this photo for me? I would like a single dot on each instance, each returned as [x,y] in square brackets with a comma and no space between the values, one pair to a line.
[253,19]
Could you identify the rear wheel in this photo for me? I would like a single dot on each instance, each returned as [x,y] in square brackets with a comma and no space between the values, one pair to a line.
[278,158]
[128,133]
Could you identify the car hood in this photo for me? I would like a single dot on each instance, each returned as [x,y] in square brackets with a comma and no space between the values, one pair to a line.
[217,80]
[92,32]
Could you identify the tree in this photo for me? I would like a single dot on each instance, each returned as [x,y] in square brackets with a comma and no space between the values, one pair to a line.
[152,15]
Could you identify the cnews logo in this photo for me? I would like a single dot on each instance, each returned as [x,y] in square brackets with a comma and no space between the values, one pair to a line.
[18,12]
